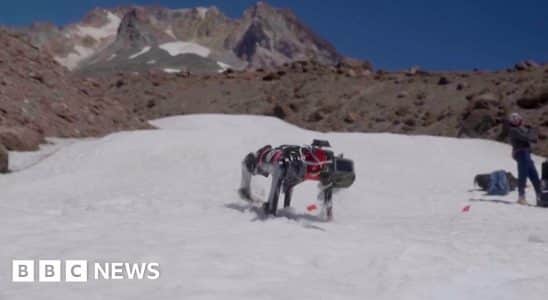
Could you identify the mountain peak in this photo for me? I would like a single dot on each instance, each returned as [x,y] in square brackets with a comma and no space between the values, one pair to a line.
[133,29]
[259,9]
[264,37]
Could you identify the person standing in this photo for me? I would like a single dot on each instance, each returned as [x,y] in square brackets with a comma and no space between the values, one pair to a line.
[521,137]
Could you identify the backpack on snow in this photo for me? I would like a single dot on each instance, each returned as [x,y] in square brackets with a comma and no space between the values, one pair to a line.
[498,183]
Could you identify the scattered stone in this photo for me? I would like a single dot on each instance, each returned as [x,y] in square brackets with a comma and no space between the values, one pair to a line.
[120,83]
[421,95]
[520,66]
[533,100]
[543,135]
[351,73]
[20,138]
[488,97]
[316,117]
[532,64]
[419,102]
[366,73]
[483,114]
[271,77]
[443,81]
[412,71]
[279,111]
[526,65]
[353,63]
[92,82]
[402,110]
[4,159]
[403,94]
[410,122]
[37,77]
[183,74]
[351,117]
[293,107]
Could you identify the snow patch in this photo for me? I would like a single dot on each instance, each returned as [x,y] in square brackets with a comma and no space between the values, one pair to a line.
[80,53]
[223,66]
[170,70]
[181,10]
[169,196]
[202,12]
[169,32]
[98,33]
[143,51]
[113,56]
[179,47]
[73,59]
[151,62]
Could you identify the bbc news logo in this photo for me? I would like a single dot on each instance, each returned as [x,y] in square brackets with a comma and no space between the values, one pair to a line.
[78,271]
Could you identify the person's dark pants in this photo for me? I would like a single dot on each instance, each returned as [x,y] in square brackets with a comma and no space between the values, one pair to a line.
[526,169]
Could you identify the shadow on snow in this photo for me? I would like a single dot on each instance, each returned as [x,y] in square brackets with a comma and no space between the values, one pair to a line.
[302,218]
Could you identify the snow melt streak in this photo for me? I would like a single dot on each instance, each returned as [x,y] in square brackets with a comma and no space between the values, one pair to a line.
[143,51]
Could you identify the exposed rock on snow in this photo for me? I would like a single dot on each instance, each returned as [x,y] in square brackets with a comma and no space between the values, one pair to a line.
[20,138]
[4,159]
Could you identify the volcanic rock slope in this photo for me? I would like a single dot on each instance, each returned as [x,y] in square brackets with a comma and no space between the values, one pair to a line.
[38,98]
[350,98]
[198,40]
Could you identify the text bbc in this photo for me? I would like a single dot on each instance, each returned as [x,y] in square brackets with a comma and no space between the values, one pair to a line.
[81,271]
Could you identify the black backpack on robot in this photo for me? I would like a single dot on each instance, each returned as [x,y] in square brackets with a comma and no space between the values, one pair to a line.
[341,172]
[544,194]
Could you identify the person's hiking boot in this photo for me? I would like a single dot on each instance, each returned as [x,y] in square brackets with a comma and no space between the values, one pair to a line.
[522,201]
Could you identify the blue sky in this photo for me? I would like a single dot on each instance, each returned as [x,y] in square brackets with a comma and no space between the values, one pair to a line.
[433,34]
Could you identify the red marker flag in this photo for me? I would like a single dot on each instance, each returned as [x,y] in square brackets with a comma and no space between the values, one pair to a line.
[466,208]
[312,207]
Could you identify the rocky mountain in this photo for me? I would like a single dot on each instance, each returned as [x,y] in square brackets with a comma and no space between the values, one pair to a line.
[350,98]
[198,40]
[38,98]
[277,67]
